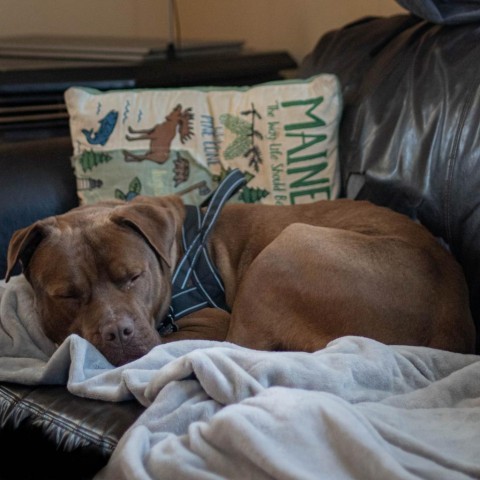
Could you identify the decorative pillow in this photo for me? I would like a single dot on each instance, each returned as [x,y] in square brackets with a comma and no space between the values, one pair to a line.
[282,135]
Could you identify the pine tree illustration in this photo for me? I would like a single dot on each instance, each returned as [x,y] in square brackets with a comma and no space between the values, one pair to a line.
[252,195]
[244,144]
[90,159]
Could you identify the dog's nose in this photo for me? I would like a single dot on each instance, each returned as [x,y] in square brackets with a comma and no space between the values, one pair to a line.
[118,332]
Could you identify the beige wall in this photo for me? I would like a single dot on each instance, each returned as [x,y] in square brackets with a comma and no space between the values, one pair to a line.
[293,25]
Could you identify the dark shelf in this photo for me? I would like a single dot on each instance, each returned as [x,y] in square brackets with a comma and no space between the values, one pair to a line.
[31,90]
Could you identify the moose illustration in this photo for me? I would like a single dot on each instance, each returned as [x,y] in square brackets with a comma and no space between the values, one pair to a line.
[161,136]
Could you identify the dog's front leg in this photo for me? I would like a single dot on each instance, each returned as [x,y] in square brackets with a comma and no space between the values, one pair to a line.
[206,324]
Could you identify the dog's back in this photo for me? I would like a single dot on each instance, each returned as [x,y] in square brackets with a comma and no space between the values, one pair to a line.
[352,267]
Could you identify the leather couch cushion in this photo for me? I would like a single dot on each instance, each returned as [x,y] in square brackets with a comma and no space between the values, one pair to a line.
[62,436]
[36,181]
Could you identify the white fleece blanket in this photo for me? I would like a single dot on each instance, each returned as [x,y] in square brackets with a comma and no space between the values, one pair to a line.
[356,410]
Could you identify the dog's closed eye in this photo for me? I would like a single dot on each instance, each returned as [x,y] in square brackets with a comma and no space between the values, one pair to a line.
[135,277]
[129,280]
[67,295]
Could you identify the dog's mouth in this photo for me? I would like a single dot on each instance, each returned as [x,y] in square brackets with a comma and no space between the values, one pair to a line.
[120,355]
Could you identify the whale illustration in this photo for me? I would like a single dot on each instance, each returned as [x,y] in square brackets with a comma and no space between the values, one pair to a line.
[107,125]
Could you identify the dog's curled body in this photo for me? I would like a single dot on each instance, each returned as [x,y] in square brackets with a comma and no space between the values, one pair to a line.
[296,277]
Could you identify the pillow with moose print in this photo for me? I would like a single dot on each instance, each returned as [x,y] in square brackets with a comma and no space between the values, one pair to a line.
[282,135]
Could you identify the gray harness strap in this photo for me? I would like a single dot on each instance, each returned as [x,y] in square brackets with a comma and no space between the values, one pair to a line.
[196,283]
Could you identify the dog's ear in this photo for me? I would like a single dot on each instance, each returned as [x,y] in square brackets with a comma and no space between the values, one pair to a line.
[23,244]
[156,224]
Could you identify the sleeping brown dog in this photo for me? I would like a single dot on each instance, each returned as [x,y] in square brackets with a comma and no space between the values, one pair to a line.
[287,278]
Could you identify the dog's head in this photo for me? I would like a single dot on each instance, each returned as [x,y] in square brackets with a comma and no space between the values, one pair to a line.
[102,272]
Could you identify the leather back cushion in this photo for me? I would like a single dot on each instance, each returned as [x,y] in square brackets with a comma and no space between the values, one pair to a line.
[36,181]
[410,132]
